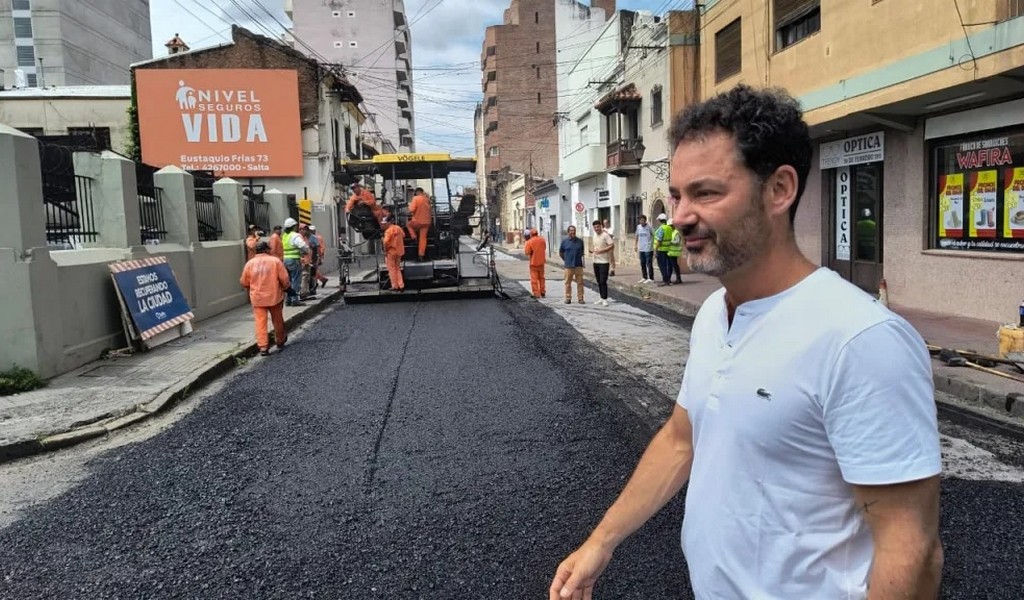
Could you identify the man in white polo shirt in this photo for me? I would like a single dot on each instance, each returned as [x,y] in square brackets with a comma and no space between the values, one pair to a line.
[806,422]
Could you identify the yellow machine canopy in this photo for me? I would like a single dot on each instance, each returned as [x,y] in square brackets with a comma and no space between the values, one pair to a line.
[410,166]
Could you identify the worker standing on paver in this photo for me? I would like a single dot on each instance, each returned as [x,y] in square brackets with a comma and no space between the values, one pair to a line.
[266,279]
[536,250]
[294,246]
[419,221]
[571,252]
[394,250]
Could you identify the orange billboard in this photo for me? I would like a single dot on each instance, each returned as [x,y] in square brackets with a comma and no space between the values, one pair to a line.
[234,122]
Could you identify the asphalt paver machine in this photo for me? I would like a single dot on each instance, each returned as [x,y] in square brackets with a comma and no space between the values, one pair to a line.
[454,264]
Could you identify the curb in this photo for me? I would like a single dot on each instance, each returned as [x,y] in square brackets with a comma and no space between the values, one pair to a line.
[163,401]
[976,394]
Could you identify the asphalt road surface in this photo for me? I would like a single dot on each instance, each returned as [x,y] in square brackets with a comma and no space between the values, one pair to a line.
[440,449]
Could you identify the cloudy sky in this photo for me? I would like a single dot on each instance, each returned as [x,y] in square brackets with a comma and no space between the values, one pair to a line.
[446,40]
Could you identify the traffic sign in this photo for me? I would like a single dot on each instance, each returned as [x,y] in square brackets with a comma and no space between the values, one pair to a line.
[579,207]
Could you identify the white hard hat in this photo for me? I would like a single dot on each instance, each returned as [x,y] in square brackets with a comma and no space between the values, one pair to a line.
[312,227]
[290,222]
[662,217]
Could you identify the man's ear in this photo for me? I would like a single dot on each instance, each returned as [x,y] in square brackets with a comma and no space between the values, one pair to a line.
[780,191]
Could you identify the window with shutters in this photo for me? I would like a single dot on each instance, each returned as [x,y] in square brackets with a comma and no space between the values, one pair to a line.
[22,5]
[656,106]
[728,51]
[795,20]
[22,27]
[26,56]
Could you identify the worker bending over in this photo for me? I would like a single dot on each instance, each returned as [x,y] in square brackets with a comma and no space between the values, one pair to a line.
[394,250]
[361,195]
[536,250]
[419,221]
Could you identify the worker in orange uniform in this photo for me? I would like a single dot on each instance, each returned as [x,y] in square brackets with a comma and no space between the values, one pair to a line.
[394,250]
[419,221]
[266,279]
[536,250]
[321,252]
[361,195]
[250,242]
[276,246]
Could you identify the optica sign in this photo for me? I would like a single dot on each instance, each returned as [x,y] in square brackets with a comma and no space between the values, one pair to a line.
[234,122]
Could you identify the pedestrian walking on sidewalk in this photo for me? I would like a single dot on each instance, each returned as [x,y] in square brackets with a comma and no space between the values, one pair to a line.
[266,279]
[644,247]
[601,246]
[806,423]
[571,252]
[536,251]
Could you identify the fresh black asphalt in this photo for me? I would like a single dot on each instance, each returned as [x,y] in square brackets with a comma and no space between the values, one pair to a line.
[449,449]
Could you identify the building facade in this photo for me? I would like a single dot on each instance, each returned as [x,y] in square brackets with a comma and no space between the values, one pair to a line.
[59,43]
[624,88]
[918,173]
[93,110]
[372,42]
[330,119]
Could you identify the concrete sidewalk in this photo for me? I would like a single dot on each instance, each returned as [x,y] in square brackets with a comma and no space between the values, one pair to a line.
[112,393]
[996,393]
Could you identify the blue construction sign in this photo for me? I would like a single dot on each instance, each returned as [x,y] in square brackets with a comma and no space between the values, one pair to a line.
[151,295]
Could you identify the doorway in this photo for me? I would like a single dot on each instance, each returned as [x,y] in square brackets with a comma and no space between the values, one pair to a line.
[855,221]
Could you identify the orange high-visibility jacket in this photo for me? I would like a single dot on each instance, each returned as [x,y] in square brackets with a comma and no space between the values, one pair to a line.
[276,247]
[364,197]
[266,279]
[394,240]
[536,249]
[420,210]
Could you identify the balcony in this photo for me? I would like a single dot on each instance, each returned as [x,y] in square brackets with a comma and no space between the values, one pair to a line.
[585,161]
[399,19]
[403,102]
[624,156]
[401,48]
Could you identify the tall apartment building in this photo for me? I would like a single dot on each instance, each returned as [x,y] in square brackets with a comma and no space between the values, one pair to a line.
[918,169]
[519,63]
[84,42]
[371,40]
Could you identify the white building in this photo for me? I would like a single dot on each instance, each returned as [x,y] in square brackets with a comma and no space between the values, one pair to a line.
[96,110]
[372,42]
[613,146]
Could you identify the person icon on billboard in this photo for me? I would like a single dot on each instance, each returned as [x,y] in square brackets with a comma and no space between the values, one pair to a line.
[186,96]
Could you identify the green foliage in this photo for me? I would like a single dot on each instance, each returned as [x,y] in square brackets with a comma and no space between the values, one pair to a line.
[18,380]
[133,147]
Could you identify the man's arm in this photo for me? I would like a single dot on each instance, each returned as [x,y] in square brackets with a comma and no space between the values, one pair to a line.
[904,521]
[660,474]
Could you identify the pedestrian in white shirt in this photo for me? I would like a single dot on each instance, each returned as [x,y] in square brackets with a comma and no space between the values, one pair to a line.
[806,421]
[644,247]
[601,246]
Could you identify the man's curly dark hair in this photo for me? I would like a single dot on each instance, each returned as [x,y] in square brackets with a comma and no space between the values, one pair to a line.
[768,127]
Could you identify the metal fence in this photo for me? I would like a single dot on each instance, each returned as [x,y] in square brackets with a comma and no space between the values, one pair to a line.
[257,209]
[151,205]
[207,206]
[67,198]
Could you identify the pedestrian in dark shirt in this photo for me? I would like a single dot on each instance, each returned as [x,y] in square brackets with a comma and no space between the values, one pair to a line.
[571,252]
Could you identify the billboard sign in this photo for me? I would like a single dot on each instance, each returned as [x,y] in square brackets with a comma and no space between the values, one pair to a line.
[234,122]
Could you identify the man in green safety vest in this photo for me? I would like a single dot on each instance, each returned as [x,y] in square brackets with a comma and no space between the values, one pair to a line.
[294,247]
[668,246]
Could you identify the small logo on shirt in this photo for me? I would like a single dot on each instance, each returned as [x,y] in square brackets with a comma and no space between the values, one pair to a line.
[764,394]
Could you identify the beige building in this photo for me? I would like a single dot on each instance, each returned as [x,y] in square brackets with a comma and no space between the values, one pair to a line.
[99,110]
[918,118]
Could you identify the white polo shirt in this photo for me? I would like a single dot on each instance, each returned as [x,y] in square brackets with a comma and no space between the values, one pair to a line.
[810,390]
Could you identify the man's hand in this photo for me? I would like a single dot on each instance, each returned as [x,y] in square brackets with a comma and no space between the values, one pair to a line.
[576,576]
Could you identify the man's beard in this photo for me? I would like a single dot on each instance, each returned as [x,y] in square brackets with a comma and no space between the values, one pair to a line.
[726,251]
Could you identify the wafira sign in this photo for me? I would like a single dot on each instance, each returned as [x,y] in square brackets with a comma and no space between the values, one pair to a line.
[234,122]
[150,297]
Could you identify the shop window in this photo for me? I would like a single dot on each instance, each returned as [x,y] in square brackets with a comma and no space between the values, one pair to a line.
[977,192]
[795,20]
[728,51]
